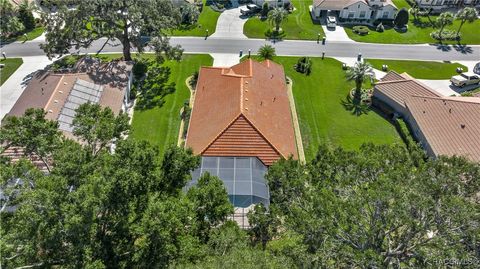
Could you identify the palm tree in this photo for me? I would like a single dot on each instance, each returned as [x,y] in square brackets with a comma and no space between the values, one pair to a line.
[446,18]
[359,73]
[468,14]
[266,52]
[276,16]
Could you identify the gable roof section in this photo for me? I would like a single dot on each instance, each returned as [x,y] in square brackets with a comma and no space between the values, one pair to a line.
[250,90]
[242,139]
[451,126]
[398,87]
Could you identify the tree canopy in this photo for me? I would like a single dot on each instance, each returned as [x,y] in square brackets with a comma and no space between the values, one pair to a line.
[124,20]
[376,207]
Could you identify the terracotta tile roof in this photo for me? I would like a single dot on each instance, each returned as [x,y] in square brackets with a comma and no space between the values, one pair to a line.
[398,87]
[450,125]
[247,100]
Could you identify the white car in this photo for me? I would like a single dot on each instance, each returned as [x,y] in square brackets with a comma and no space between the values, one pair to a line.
[331,22]
[465,79]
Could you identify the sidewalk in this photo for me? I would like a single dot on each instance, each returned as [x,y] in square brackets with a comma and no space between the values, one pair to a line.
[225,59]
[11,90]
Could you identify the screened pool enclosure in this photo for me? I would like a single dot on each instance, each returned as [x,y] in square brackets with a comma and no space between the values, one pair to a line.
[243,178]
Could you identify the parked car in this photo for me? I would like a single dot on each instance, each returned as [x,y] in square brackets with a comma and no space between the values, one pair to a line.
[331,22]
[465,79]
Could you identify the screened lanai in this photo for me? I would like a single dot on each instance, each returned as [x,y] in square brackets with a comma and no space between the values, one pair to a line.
[243,178]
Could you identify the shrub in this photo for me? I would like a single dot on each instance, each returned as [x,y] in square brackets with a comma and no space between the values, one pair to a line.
[401,19]
[68,61]
[140,69]
[26,17]
[380,28]
[446,35]
[265,9]
[304,65]
[360,29]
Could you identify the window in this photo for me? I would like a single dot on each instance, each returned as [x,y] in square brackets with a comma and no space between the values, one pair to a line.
[351,14]
[385,14]
[362,14]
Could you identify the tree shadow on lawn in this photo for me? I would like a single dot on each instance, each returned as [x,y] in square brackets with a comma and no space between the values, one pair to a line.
[355,106]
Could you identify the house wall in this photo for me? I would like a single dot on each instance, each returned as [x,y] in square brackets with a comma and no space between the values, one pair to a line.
[355,11]
[438,5]
[399,109]
[391,12]
[271,3]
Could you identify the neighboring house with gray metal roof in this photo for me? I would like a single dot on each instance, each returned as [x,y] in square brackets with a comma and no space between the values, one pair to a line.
[443,125]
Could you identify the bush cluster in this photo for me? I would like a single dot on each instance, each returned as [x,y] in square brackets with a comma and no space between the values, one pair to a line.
[446,35]
[380,28]
[361,30]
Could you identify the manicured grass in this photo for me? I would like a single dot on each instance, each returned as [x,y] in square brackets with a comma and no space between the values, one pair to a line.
[418,32]
[420,69]
[207,20]
[11,65]
[160,125]
[38,31]
[298,26]
[322,116]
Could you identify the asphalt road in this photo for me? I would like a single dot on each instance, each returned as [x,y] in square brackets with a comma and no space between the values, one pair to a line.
[289,47]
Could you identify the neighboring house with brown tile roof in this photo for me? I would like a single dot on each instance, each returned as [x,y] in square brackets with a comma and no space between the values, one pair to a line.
[242,111]
[365,10]
[394,88]
[446,126]
[59,94]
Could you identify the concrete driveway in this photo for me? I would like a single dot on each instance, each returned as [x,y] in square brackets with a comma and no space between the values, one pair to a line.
[336,34]
[445,88]
[230,24]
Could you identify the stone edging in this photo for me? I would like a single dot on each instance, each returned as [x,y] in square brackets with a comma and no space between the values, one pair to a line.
[190,103]
[296,125]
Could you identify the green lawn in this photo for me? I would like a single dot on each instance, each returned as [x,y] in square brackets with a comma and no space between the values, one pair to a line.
[419,69]
[11,64]
[38,31]
[160,125]
[322,116]
[207,20]
[298,26]
[418,33]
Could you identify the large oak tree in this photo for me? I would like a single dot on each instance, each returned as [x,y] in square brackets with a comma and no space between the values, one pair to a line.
[78,26]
